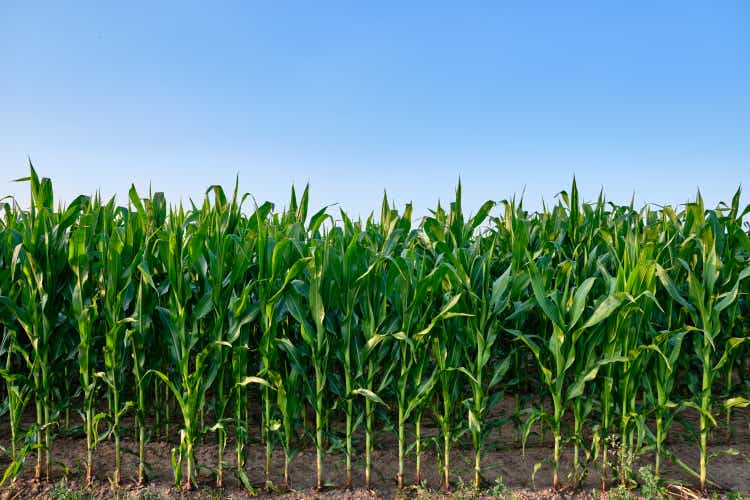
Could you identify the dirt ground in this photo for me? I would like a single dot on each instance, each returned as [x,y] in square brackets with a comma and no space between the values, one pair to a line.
[507,469]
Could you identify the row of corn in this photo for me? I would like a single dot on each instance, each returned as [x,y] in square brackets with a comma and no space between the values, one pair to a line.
[231,322]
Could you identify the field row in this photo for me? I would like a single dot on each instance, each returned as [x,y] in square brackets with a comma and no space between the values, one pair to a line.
[605,326]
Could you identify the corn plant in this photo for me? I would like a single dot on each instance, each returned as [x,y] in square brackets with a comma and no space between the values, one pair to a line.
[659,389]
[348,264]
[315,335]
[627,337]
[17,385]
[376,323]
[279,262]
[84,310]
[242,313]
[733,245]
[484,298]
[413,303]
[712,286]
[511,238]
[42,259]
[557,355]
[289,382]
[18,395]
[192,356]
[118,250]
[226,261]
[148,216]
[450,235]
[487,299]
[622,318]
[242,325]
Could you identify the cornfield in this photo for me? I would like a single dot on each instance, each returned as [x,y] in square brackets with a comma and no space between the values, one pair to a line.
[232,322]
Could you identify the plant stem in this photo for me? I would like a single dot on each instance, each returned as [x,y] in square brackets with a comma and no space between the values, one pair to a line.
[286,471]
[319,425]
[267,433]
[221,438]
[189,453]
[446,464]
[605,462]
[477,469]
[89,443]
[116,400]
[418,448]
[705,409]
[349,411]
[401,438]
[39,425]
[46,442]
[556,461]
[368,441]
[659,439]
[446,439]
[141,452]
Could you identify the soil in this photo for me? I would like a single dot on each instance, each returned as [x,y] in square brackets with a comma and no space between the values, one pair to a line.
[507,468]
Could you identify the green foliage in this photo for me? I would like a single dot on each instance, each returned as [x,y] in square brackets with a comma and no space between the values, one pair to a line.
[207,318]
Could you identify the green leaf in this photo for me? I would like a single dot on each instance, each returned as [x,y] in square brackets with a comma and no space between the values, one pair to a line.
[666,281]
[548,307]
[291,273]
[603,311]
[579,301]
[499,299]
[575,390]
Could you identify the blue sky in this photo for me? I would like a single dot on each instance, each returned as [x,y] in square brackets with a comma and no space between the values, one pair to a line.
[357,97]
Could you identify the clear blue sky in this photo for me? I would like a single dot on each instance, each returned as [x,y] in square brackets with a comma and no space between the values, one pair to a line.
[357,97]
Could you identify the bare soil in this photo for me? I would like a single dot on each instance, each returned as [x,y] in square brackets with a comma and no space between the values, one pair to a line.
[506,467]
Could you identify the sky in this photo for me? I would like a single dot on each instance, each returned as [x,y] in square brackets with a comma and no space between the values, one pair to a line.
[651,98]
